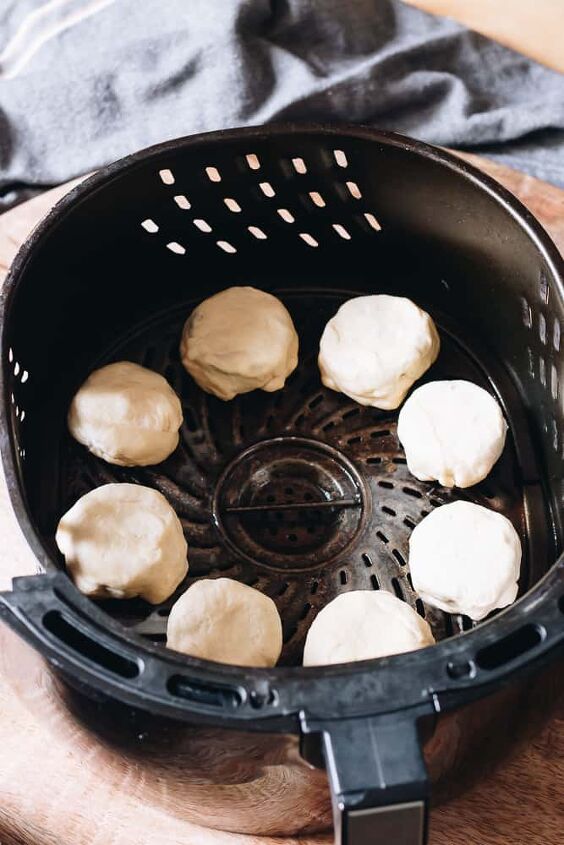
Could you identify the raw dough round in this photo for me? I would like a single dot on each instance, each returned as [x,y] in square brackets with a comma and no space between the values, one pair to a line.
[127,415]
[452,431]
[239,340]
[124,540]
[376,347]
[465,559]
[226,621]
[364,624]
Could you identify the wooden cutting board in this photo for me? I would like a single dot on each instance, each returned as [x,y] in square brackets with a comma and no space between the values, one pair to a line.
[60,786]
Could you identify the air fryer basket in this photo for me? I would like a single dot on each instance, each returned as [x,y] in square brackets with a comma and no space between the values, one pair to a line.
[301,493]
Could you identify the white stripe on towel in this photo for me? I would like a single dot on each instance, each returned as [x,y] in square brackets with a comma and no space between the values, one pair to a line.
[40,26]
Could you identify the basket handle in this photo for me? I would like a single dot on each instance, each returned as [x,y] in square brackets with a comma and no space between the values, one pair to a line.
[378,780]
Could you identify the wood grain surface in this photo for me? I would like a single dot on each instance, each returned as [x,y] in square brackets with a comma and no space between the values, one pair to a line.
[60,786]
[532,27]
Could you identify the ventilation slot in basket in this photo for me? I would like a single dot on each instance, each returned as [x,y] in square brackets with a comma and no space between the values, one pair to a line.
[206,694]
[511,647]
[57,625]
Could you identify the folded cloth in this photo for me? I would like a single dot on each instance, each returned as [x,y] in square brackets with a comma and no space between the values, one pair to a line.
[83,82]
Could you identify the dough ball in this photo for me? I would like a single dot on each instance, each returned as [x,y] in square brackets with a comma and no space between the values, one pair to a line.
[223,620]
[124,540]
[127,415]
[239,340]
[465,559]
[364,624]
[452,432]
[375,347]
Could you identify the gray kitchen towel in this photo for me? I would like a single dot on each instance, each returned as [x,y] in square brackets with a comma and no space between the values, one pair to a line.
[83,82]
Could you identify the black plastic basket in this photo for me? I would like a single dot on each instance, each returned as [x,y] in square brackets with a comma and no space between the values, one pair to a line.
[316,215]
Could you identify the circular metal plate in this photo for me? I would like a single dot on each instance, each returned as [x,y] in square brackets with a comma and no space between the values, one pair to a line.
[290,503]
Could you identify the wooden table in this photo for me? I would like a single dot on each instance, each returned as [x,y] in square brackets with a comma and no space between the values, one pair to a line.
[59,786]
[532,27]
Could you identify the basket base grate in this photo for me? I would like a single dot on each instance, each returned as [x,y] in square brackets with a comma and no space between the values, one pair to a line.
[301,493]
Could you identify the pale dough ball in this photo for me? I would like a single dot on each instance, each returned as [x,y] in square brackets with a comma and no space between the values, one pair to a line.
[364,624]
[375,347]
[239,340]
[123,540]
[465,559]
[127,415]
[452,432]
[223,620]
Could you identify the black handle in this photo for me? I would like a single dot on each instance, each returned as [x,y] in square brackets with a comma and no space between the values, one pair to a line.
[378,779]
